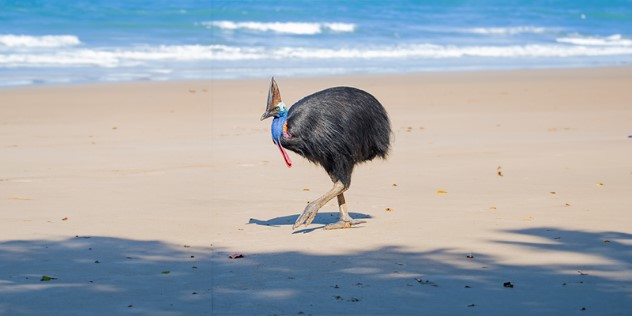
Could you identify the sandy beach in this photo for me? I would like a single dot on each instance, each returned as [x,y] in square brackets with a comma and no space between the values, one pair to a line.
[505,193]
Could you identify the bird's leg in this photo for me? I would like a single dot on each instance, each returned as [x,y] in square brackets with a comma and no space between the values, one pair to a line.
[345,220]
[312,208]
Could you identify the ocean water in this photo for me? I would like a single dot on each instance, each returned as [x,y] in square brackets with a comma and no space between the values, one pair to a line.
[50,41]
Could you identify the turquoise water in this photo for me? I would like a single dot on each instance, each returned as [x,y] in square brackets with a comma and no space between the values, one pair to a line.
[94,41]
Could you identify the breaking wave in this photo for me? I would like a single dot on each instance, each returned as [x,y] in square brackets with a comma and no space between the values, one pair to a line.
[46,41]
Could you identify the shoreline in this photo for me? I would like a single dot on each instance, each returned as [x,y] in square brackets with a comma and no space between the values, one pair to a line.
[137,193]
[346,75]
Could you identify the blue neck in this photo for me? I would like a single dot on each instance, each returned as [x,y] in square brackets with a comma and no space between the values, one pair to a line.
[277,126]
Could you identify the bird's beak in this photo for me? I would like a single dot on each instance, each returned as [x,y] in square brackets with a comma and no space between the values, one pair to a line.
[265,115]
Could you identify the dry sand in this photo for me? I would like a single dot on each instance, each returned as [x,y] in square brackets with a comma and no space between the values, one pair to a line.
[131,197]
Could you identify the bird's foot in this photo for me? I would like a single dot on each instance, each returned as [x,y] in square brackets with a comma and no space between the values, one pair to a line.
[344,224]
[307,217]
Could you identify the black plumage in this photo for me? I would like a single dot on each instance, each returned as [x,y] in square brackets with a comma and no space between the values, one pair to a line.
[336,128]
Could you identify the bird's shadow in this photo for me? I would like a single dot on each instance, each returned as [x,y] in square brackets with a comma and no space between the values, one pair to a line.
[323,219]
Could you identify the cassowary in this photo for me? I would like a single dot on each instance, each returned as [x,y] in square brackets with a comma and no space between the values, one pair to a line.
[336,128]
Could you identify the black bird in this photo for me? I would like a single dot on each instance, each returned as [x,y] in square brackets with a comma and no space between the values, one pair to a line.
[336,128]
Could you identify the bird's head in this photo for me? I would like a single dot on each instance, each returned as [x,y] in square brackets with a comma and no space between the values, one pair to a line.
[274,107]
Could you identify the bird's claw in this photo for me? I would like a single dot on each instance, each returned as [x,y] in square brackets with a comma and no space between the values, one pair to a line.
[307,217]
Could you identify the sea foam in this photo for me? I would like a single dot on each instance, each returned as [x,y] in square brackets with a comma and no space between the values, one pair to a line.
[297,28]
[112,58]
[431,51]
[143,55]
[612,40]
[512,30]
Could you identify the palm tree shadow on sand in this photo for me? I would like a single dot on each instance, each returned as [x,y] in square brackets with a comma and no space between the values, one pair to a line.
[577,272]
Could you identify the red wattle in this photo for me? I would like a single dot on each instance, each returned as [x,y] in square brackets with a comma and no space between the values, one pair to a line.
[288,161]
